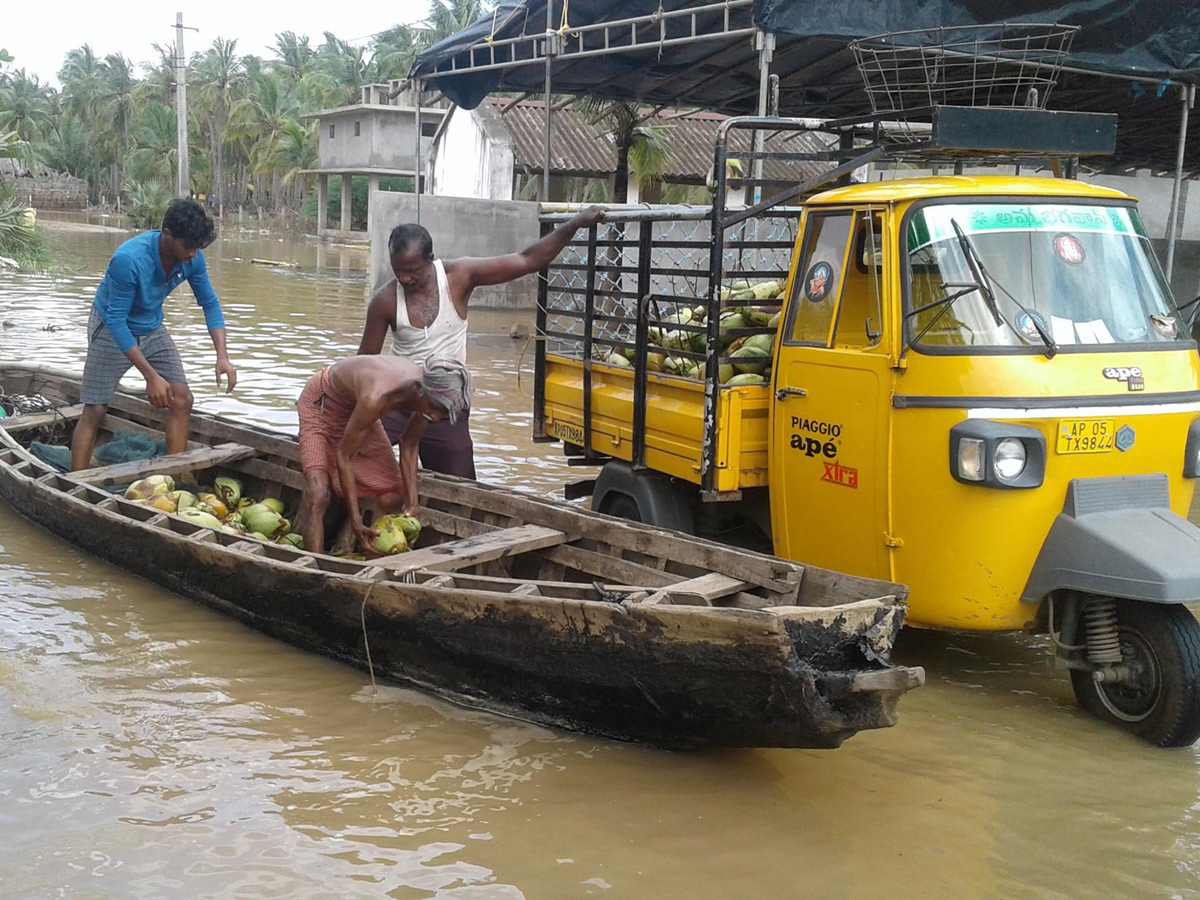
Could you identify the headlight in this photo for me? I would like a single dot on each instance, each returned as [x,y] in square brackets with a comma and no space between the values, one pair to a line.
[999,454]
[1009,461]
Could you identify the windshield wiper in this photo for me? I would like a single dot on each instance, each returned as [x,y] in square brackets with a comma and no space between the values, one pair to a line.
[978,271]
[975,262]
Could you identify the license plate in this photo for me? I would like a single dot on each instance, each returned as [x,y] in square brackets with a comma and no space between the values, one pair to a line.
[1085,436]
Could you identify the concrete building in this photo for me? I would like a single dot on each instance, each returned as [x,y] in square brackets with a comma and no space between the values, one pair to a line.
[376,138]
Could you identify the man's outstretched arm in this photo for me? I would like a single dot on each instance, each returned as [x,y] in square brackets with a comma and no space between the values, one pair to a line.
[499,269]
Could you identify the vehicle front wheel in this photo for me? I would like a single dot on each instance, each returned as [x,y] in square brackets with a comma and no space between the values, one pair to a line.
[1160,700]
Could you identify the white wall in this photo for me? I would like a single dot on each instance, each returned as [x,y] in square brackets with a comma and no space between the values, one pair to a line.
[473,159]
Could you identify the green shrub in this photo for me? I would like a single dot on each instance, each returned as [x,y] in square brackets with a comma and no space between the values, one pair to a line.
[19,238]
[148,202]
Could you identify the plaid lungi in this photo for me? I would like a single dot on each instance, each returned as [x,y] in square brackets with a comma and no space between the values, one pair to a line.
[323,419]
[105,364]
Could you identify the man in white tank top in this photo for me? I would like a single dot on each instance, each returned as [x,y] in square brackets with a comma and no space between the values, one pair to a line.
[425,307]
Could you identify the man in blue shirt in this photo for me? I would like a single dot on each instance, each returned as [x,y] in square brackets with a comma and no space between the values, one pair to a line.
[126,325]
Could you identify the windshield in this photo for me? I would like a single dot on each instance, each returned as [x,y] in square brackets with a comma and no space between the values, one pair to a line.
[1085,273]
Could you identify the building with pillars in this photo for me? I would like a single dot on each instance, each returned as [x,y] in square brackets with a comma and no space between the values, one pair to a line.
[375,138]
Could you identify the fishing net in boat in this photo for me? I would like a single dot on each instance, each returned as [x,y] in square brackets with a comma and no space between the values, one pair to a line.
[124,447]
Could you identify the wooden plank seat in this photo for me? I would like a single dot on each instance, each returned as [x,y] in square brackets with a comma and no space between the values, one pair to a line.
[471,551]
[700,591]
[37,420]
[173,463]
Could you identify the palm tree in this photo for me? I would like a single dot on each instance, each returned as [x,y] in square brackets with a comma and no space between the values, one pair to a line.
[156,145]
[640,146]
[345,65]
[394,51]
[219,74]
[26,106]
[294,56]
[118,108]
[449,17]
[159,84]
[295,150]
[258,118]
[82,77]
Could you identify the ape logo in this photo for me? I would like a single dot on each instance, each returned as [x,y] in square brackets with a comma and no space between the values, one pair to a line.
[811,447]
[1131,375]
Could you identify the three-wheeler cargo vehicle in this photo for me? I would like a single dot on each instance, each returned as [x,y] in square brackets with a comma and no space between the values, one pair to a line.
[979,386]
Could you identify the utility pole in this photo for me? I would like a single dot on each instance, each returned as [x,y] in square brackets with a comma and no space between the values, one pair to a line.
[183,185]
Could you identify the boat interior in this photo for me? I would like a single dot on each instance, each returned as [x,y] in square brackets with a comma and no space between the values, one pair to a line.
[473,536]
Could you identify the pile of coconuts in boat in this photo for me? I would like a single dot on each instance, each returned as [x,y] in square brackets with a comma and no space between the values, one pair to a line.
[224,508]
[750,355]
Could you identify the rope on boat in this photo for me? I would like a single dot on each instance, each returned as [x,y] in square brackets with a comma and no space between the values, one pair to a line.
[362,615]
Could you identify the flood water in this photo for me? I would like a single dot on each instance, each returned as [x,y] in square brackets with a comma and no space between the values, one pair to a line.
[152,748]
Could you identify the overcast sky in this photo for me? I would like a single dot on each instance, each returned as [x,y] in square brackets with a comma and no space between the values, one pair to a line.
[38,34]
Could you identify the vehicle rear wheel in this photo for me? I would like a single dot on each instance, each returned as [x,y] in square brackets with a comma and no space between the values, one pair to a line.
[1160,700]
[623,507]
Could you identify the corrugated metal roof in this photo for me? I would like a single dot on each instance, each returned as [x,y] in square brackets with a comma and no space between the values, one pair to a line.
[579,148]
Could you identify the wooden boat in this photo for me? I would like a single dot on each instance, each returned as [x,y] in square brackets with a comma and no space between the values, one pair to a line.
[510,603]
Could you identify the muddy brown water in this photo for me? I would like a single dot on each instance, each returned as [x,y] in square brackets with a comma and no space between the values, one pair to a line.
[151,748]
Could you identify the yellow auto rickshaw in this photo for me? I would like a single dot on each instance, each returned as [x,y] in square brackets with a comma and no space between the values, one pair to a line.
[979,386]
[1017,440]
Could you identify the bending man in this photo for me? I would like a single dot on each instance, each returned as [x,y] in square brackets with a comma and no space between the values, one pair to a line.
[343,446]
[425,306]
[126,325]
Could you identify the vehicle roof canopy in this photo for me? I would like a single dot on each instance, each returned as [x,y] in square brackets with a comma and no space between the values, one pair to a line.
[964,186]
[1156,43]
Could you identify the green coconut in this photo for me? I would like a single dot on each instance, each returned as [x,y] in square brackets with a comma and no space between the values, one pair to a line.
[149,487]
[262,519]
[744,379]
[618,360]
[213,505]
[228,489]
[765,290]
[292,539]
[184,499]
[764,342]
[391,537]
[408,524]
[750,359]
[163,503]
[198,516]
[729,322]
[273,503]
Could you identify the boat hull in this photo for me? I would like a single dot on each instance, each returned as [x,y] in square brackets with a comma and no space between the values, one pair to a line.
[664,676]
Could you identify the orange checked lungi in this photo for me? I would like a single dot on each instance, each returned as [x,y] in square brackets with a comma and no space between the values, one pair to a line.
[323,419]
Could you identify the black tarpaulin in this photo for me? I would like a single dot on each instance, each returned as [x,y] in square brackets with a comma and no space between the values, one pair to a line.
[1157,40]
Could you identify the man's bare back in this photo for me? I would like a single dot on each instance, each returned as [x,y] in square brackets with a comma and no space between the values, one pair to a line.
[384,382]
